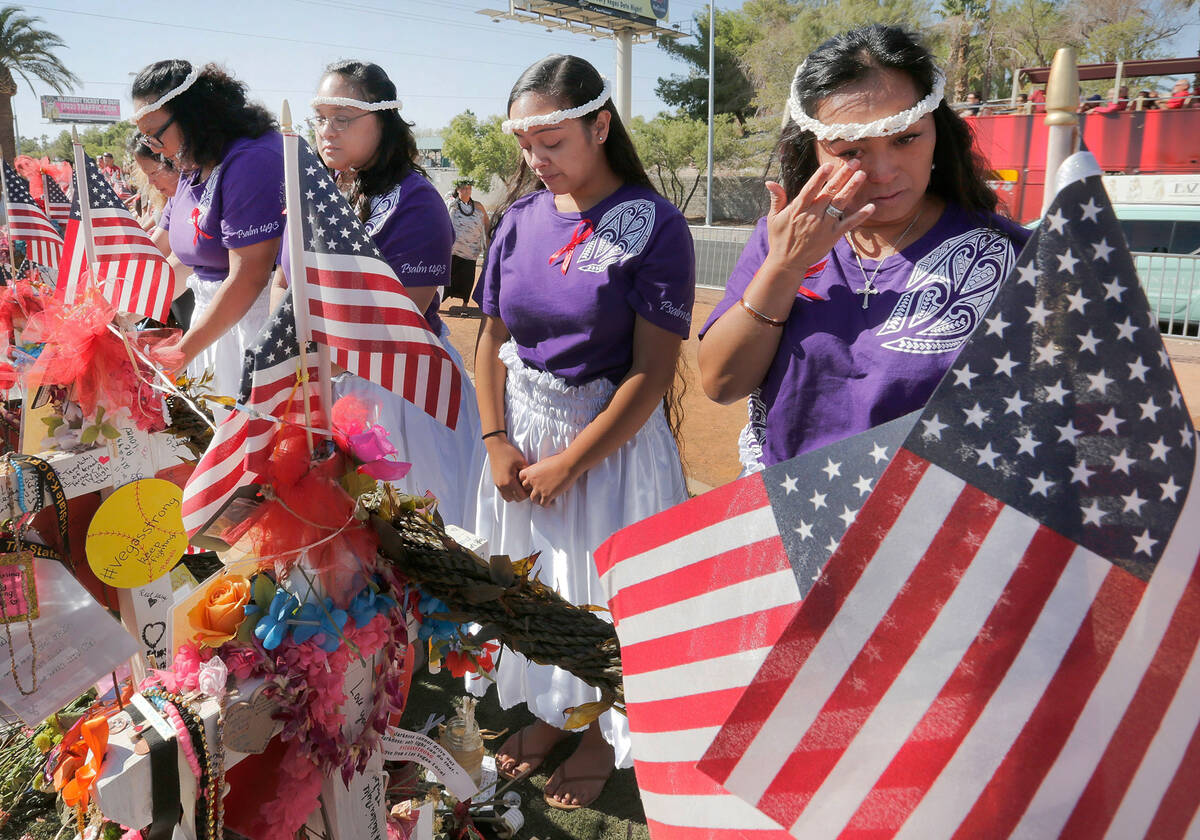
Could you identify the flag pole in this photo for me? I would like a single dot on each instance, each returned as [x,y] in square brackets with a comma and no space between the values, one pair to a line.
[295,246]
[1062,101]
[12,244]
[85,207]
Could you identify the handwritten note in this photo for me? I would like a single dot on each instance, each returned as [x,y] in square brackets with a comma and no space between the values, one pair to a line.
[146,611]
[16,588]
[77,643]
[137,534]
[402,745]
[132,455]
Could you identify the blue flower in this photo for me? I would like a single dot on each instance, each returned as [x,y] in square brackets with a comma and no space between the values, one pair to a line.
[318,626]
[368,604]
[273,626]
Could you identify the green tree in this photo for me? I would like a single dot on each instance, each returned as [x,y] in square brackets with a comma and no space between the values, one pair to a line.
[28,51]
[733,92]
[1120,30]
[480,149]
[674,149]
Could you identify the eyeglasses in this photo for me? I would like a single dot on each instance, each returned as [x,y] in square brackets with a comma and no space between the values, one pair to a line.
[154,141]
[337,122]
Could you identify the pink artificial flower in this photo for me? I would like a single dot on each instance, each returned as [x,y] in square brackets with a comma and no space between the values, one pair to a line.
[212,677]
[372,448]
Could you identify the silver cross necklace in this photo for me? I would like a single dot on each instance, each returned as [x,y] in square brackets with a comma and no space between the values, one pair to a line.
[869,288]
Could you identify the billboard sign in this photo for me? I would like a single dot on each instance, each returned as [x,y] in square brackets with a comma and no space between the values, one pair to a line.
[79,109]
[645,10]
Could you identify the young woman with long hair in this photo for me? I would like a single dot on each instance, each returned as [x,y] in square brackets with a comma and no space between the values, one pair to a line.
[371,151]
[226,217]
[587,295]
[881,252]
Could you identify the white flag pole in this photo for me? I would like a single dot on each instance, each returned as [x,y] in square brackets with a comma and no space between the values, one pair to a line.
[1062,101]
[85,207]
[295,248]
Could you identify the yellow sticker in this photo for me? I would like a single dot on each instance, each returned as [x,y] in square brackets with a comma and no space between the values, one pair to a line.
[137,534]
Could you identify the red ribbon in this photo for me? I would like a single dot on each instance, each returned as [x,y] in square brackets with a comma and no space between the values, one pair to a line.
[196,224]
[582,231]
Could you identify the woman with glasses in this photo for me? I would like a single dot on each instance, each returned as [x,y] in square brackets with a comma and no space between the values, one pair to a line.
[371,151]
[161,180]
[226,218]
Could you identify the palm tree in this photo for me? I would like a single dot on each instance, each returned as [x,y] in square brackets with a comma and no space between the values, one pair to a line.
[28,51]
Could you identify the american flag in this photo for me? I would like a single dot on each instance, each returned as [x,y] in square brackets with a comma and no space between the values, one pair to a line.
[26,221]
[136,277]
[700,593]
[1005,641]
[358,307]
[55,201]
[239,450]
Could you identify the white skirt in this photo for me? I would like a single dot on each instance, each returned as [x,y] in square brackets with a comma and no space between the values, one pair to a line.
[543,414]
[225,356]
[448,464]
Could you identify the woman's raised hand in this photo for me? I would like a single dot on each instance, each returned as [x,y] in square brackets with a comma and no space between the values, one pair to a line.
[803,231]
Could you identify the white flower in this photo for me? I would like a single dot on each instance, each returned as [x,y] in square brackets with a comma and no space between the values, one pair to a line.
[212,677]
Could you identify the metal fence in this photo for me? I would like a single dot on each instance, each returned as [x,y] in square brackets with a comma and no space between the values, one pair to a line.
[1172,285]
[717,252]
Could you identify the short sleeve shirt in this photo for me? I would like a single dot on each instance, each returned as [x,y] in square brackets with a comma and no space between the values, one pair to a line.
[840,369]
[412,230]
[572,309]
[239,204]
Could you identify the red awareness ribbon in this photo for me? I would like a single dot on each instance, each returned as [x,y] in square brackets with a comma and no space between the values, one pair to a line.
[806,292]
[196,224]
[582,231]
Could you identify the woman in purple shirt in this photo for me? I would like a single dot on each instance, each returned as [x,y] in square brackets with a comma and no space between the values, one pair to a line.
[587,296]
[370,148]
[880,254]
[226,217]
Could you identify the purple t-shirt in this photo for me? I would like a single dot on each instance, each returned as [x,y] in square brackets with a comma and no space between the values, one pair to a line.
[241,203]
[840,369]
[413,232]
[579,325]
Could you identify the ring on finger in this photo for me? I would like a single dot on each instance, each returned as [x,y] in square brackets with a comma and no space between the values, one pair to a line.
[836,212]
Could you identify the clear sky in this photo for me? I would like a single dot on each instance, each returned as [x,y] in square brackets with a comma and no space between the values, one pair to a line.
[443,57]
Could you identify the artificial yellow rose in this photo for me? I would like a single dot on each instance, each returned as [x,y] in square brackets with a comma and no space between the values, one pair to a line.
[215,618]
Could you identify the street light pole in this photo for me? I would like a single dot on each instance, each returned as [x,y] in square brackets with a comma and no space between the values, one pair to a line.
[712,40]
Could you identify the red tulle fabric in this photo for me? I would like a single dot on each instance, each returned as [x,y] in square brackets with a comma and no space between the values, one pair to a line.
[31,170]
[79,349]
[309,505]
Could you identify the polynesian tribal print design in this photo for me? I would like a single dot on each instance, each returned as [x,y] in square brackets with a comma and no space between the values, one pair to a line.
[948,293]
[622,233]
[382,207]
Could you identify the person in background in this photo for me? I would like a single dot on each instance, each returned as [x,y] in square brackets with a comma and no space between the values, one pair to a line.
[881,253]
[370,149]
[226,217]
[974,102]
[1120,103]
[587,297]
[1147,100]
[470,222]
[161,182]
[1038,99]
[1178,97]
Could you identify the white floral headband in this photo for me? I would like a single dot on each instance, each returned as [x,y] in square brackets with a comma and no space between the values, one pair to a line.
[877,128]
[526,123]
[168,96]
[347,102]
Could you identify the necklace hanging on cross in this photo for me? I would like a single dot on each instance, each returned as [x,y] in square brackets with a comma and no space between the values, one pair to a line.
[868,288]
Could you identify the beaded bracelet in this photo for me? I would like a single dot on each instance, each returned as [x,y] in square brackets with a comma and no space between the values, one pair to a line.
[215,815]
[184,738]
